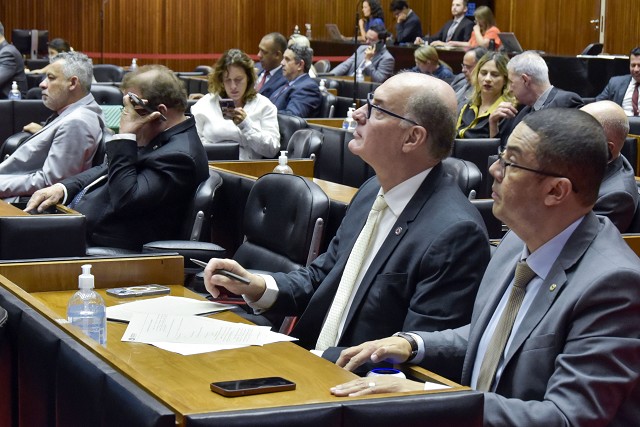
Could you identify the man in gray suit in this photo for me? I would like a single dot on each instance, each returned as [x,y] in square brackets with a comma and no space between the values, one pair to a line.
[618,194]
[570,349]
[373,58]
[11,67]
[66,145]
[620,89]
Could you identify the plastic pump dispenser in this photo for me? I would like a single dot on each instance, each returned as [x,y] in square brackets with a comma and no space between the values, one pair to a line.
[15,93]
[86,308]
[283,167]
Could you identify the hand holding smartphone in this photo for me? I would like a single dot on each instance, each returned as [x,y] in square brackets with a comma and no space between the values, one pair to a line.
[252,386]
[227,106]
[137,102]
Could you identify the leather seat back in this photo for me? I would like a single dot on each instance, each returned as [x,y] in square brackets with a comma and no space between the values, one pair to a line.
[467,174]
[304,143]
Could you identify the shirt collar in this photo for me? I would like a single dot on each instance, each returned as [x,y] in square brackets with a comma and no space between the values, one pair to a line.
[542,99]
[399,196]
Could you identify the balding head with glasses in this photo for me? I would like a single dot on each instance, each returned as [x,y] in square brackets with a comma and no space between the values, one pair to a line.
[406,126]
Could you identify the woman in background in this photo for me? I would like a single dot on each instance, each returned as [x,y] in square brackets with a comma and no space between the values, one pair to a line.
[428,62]
[55,47]
[490,88]
[372,15]
[253,120]
[485,33]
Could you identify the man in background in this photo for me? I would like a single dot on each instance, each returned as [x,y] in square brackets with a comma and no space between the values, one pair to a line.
[618,193]
[11,67]
[153,167]
[461,83]
[623,90]
[270,51]
[408,26]
[374,59]
[529,82]
[300,96]
[457,29]
[66,145]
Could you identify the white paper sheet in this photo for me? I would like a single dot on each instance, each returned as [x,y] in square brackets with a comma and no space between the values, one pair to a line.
[192,335]
[165,304]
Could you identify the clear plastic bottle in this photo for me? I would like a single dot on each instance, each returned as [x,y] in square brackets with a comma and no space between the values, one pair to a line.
[348,123]
[283,167]
[15,92]
[359,75]
[322,86]
[134,64]
[296,30]
[308,31]
[86,308]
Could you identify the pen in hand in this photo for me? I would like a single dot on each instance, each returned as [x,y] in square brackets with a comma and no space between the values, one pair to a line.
[223,272]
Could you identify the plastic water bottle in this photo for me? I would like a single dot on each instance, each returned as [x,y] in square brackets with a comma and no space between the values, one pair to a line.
[86,308]
[349,124]
[359,75]
[322,86]
[308,31]
[134,64]
[283,167]
[296,30]
[15,93]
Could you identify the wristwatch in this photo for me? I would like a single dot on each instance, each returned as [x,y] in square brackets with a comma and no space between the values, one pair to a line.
[412,342]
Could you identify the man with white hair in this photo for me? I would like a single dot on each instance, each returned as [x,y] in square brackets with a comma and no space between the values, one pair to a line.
[65,146]
[529,82]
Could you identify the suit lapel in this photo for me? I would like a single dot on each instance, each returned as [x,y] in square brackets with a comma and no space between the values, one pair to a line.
[398,231]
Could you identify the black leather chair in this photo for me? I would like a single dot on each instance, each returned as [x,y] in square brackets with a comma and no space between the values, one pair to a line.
[593,49]
[106,94]
[34,93]
[223,150]
[288,125]
[108,73]
[478,150]
[322,66]
[12,143]
[205,70]
[493,224]
[305,144]
[630,151]
[327,105]
[634,125]
[467,175]
[634,227]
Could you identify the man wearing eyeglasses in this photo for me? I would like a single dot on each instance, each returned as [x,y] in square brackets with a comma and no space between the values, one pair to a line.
[374,59]
[428,248]
[554,337]
[461,83]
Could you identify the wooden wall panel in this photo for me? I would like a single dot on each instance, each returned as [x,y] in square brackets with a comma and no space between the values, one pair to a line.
[204,27]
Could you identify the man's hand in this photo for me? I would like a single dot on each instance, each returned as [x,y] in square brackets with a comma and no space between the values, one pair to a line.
[32,127]
[402,16]
[369,52]
[419,41]
[374,385]
[237,115]
[45,198]
[505,110]
[133,119]
[391,349]
[212,281]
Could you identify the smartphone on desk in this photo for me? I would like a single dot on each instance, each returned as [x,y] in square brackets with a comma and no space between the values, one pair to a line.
[138,291]
[227,106]
[252,386]
[137,102]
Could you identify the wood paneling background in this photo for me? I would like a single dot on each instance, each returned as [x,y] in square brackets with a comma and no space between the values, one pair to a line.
[167,31]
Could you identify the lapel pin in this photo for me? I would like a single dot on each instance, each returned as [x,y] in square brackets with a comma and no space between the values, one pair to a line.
[552,287]
[398,231]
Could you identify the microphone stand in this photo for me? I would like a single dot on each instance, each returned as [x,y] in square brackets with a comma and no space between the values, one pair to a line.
[355,53]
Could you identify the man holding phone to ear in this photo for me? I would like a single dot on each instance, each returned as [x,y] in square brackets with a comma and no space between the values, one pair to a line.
[373,58]
[153,167]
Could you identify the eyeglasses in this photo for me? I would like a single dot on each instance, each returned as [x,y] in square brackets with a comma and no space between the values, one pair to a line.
[504,163]
[371,105]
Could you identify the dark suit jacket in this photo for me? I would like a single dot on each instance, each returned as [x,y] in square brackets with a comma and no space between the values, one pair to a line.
[615,89]
[408,30]
[574,359]
[147,191]
[276,81]
[462,33]
[301,99]
[424,276]
[11,69]
[557,98]
[618,194]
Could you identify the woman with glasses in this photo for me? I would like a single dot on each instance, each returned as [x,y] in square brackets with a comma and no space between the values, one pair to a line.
[485,33]
[372,15]
[490,88]
[428,62]
[252,120]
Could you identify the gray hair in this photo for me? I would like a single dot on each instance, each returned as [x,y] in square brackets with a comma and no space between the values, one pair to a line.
[76,64]
[531,64]
[302,53]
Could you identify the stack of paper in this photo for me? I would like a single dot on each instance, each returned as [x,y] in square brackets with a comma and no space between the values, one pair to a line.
[167,305]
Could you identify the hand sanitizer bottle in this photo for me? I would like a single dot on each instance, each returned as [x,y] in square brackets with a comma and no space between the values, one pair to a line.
[15,93]
[283,167]
[349,124]
[322,86]
[134,64]
[86,308]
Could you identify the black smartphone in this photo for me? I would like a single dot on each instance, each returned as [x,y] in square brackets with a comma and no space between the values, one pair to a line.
[227,106]
[137,102]
[252,386]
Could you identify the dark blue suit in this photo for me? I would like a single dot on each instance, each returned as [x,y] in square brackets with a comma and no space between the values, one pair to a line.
[275,82]
[302,98]
[425,274]
[615,89]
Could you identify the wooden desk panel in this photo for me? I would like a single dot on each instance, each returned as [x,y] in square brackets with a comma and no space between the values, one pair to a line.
[257,168]
[7,209]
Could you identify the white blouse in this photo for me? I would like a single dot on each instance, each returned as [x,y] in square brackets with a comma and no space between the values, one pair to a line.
[258,134]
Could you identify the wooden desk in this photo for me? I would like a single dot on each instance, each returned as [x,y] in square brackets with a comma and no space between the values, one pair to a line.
[333,123]
[257,168]
[179,382]
[7,209]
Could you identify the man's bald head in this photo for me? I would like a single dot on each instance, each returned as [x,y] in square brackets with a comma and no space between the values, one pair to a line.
[613,120]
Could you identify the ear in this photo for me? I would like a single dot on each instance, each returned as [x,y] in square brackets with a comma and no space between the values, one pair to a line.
[163,109]
[526,79]
[415,138]
[557,190]
[74,83]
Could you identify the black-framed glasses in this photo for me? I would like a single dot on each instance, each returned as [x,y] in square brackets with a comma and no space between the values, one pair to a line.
[371,105]
[504,163]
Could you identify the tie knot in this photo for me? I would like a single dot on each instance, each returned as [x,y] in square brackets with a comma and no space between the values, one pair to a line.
[379,204]
[523,275]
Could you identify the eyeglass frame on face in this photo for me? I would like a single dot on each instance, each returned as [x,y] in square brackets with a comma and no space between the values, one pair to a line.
[371,106]
[503,164]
